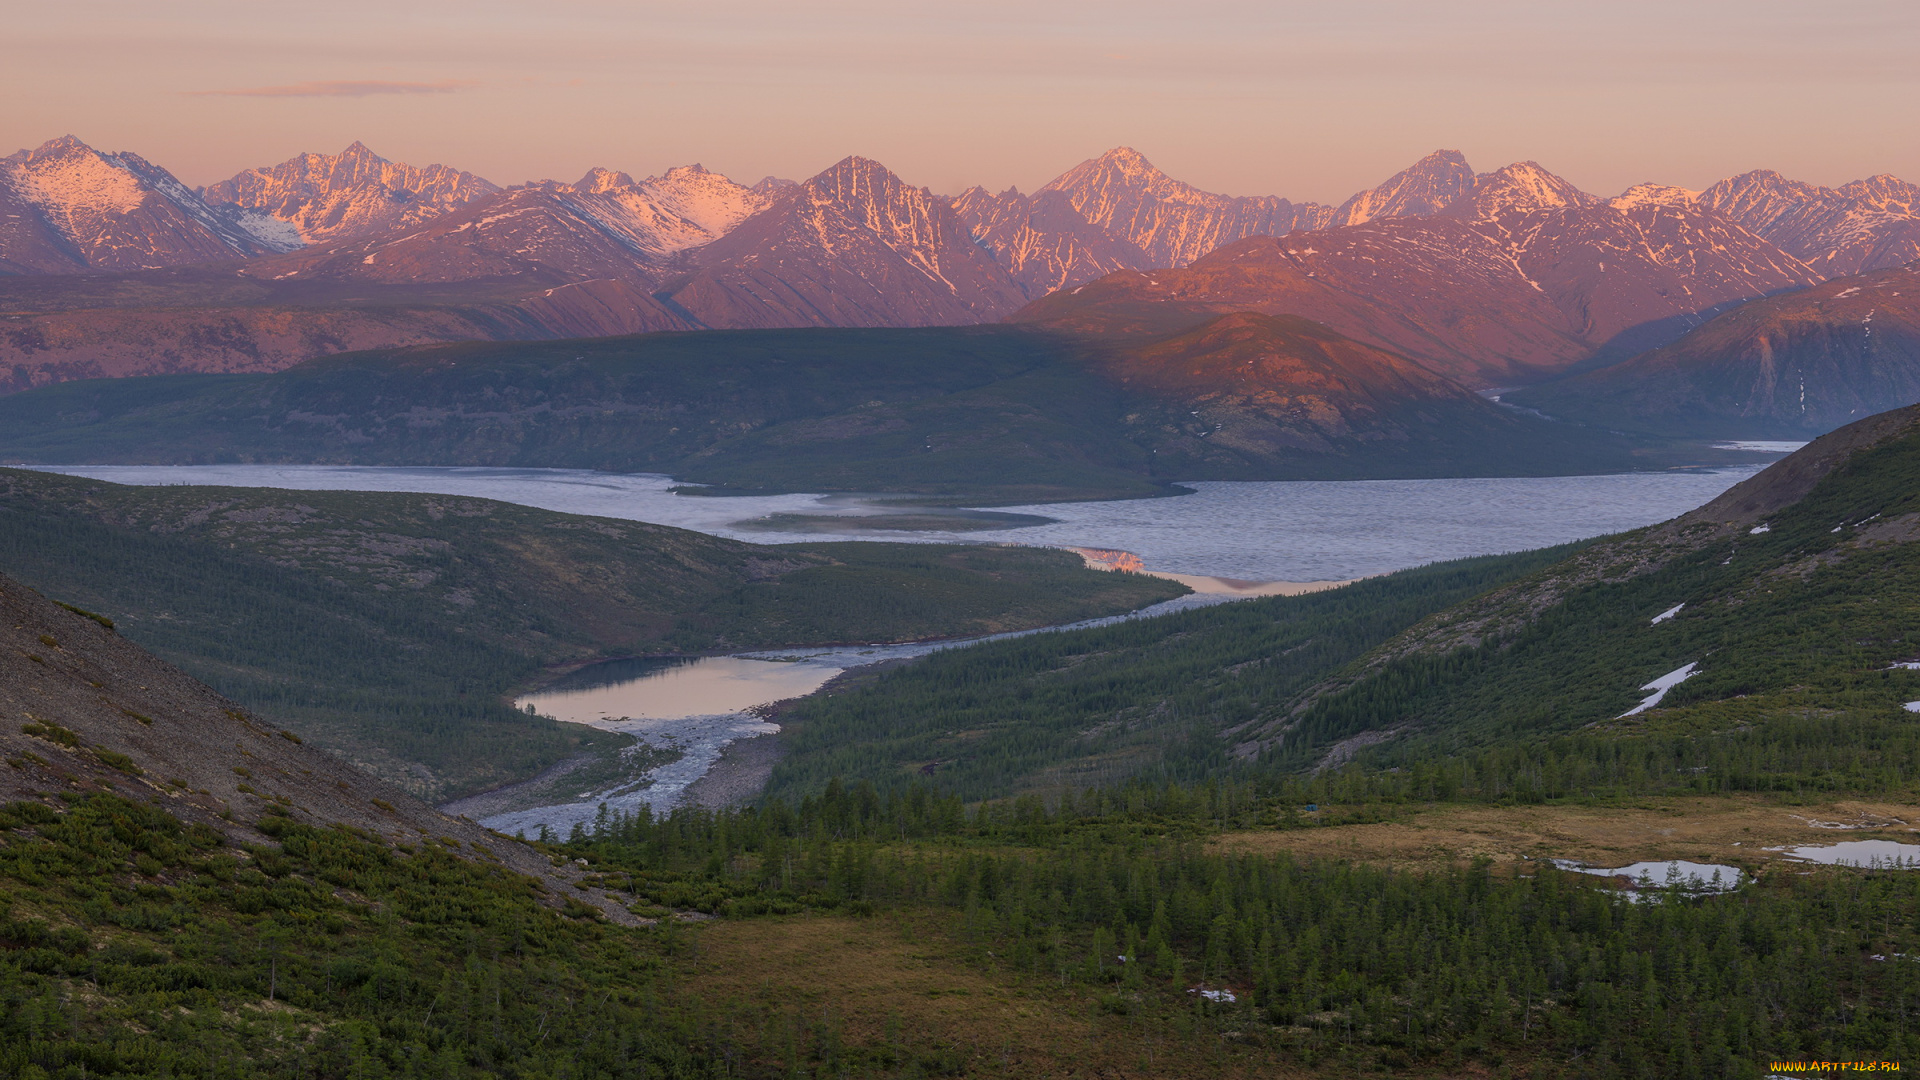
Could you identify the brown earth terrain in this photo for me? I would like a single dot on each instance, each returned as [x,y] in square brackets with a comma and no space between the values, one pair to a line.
[873,979]
[1731,830]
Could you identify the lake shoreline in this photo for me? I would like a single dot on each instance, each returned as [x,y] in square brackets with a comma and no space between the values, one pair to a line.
[1298,530]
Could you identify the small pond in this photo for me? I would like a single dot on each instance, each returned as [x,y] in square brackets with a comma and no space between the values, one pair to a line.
[1641,877]
[1887,854]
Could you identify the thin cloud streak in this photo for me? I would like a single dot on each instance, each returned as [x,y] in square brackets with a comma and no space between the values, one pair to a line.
[342,88]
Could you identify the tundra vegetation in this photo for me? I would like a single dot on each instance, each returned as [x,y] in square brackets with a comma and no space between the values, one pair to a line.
[927,892]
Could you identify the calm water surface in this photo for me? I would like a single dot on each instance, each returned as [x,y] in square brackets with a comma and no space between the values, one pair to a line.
[1692,876]
[1256,531]
[1869,853]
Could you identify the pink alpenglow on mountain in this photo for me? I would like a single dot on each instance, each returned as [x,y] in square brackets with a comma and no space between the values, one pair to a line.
[1174,223]
[1524,275]
[606,226]
[1870,224]
[1042,241]
[330,197]
[68,208]
[1428,186]
[853,246]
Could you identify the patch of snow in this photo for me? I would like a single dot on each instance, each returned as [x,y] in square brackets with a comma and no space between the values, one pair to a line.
[1667,614]
[271,232]
[1912,706]
[1224,996]
[1758,529]
[1905,665]
[1660,686]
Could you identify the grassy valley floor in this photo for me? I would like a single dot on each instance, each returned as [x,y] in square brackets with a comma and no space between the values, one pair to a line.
[1736,830]
[909,987]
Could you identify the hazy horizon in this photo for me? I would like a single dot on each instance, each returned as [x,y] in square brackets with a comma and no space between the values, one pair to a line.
[1241,98]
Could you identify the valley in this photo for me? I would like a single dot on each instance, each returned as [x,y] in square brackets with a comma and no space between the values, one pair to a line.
[380,625]
[1156,845]
[665,626]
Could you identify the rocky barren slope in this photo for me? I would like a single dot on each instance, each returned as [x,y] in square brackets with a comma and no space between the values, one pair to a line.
[1522,276]
[327,197]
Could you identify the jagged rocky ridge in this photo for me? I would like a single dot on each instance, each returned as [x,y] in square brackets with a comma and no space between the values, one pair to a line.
[1521,276]
[328,197]
[1492,279]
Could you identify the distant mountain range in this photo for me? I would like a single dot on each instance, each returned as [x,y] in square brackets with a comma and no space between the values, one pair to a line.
[1519,277]
[110,266]
[69,199]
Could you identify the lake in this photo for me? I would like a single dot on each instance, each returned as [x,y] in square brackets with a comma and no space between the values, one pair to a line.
[1255,531]
[1230,540]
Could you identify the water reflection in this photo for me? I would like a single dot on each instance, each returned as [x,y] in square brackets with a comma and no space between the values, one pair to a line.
[622,690]
[1888,854]
[1306,530]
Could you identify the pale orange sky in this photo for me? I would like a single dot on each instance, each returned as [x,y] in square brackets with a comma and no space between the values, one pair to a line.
[1307,100]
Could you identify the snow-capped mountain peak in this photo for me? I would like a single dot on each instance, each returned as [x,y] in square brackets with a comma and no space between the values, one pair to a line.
[1173,222]
[1864,225]
[69,179]
[331,197]
[69,207]
[599,179]
[1885,193]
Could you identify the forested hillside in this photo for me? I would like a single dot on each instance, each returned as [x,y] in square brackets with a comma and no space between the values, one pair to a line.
[1793,597]
[1785,613]
[391,628]
[1074,709]
[981,414]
